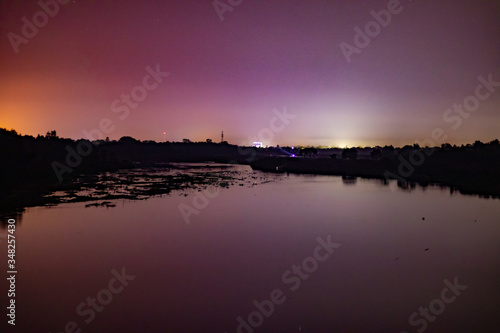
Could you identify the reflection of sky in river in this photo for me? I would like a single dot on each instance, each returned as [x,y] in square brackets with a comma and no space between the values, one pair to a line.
[202,276]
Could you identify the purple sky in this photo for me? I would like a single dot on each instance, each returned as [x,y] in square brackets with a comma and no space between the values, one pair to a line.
[264,57]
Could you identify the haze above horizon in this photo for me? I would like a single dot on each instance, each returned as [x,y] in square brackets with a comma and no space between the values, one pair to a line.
[343,73]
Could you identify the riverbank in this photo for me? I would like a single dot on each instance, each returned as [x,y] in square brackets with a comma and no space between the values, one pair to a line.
[33,168]
[479,176]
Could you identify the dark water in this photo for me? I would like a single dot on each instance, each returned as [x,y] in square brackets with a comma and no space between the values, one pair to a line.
[259,255]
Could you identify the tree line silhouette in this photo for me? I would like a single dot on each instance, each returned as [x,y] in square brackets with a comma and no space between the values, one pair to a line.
[27,164]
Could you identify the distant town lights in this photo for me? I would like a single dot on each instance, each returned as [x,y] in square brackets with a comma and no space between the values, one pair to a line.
[257,144]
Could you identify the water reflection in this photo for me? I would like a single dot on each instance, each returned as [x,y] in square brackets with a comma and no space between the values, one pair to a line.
[397,249]
[348,180]
[204,275]
[143,183]
[4,218]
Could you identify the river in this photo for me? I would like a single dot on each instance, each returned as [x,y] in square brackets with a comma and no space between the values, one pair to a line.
[271,253]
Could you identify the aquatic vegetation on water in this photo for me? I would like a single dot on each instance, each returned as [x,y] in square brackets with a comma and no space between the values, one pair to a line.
[142,183]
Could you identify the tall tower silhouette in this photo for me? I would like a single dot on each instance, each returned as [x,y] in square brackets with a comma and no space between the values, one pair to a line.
[222,136]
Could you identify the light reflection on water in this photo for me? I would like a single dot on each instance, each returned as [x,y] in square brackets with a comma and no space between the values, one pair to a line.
[202,276]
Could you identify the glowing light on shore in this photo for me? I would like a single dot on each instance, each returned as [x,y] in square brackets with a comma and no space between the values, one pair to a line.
[342,144]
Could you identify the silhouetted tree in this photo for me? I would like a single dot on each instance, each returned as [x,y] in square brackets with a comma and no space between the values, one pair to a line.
[309,151]
[350,154]
[376,154]
[51,135]
[128,139]
[478,143]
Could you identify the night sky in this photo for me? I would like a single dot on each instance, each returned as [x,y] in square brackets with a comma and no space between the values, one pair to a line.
[234,70]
